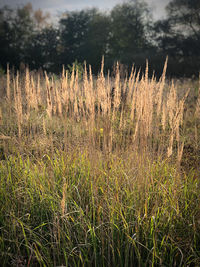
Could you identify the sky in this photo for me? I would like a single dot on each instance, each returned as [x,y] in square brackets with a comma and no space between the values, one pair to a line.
[56,7]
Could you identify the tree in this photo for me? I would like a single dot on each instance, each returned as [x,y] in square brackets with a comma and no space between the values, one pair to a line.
[97,40]
[41,19]
[74,29]
[6,37]
[185,17]
[18,29]
[178,36]
[129,31]
[22,27]
[84,37]
[42,50]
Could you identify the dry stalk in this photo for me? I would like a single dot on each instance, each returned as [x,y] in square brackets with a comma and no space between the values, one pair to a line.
[133,86]
[180,153]
[58,101]
[33,95]
[38,91]
[101,92]
[161,85]
[27,91]
[131,82]
[170,147]
[117,91]
[164,117]
[1,117]
[64,88]
[75,97]
[18,104]
[172,104]
[63,201]
[4,137]
[44,127]
[49,108]
[197,111]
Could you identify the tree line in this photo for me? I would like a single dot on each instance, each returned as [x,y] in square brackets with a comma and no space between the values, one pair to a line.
[127,34]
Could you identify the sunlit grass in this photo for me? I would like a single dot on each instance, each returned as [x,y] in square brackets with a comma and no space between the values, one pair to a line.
[117,216]
[96,176]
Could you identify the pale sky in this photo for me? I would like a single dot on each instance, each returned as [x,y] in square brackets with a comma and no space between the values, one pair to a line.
[56,7]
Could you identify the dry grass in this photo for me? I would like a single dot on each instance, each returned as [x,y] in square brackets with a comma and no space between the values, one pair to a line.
[99,171]
[105,113]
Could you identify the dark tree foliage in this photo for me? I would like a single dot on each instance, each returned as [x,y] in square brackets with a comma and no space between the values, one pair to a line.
[17,28]
[130,38]
[184,16]
[84,37]
[179,37]
[74,30]
[7,38]
[97,40]
[42,50]
[25,38]
[126,34]
[128,29]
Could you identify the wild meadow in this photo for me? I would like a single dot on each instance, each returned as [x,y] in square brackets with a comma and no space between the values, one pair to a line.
[99,171]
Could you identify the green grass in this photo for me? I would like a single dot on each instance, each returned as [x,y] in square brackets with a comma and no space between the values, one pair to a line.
[125,213]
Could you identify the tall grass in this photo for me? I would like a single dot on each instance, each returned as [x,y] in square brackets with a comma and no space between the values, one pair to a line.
[72,211]
[95,171]
[105,113]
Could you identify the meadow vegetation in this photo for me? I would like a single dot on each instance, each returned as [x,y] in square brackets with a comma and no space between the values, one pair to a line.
[99,171]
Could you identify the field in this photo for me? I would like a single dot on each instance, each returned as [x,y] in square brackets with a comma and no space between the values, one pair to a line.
[99,171]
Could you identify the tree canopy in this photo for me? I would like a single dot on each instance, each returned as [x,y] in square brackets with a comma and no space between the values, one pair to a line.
[126,34]
[179,34]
